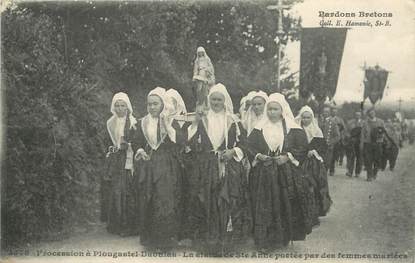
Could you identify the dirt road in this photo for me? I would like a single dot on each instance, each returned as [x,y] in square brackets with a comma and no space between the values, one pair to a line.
[366,218]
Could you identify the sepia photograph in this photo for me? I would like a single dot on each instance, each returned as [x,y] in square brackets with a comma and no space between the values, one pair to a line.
[207,130]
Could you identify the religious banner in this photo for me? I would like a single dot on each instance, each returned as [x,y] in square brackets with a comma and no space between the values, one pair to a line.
[321,55]
[375,82]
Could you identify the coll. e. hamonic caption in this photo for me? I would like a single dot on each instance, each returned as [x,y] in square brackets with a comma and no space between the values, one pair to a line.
[355,19]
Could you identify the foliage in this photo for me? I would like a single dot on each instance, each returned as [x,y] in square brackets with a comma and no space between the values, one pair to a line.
[54,133]
[63,61]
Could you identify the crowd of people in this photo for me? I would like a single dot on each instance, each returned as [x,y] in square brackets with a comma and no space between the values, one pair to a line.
[368,142]
[216,179]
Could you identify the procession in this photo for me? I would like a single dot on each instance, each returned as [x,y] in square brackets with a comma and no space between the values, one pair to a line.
[271,130]
[217,178]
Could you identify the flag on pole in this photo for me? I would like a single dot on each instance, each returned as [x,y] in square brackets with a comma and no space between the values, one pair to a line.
[375,83]
[320,59]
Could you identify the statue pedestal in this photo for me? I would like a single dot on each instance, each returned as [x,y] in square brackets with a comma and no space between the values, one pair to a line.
[202,92]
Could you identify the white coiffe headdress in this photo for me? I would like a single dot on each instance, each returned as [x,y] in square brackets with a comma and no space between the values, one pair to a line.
[181,106]
[123,97]
[220,88]
[312,130]
[287,114]
[249,116]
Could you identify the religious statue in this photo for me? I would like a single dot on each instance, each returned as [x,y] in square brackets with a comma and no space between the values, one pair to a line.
[204,78]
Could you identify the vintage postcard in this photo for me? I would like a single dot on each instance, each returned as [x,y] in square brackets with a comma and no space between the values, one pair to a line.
[208,131]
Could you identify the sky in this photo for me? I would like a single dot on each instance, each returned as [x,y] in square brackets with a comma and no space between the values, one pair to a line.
[393,48]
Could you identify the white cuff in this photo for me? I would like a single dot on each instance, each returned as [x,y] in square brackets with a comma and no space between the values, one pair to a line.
[172,134]
[239,154]
[318,157]
[292,159]
[191,130]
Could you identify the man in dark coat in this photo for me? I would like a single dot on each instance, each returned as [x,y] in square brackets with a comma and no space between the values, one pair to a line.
[353,151]
[331,133]
[373,139]
[391,144]
[339,148]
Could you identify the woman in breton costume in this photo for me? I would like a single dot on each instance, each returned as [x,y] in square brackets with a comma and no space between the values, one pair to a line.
[218,185]
[252,117]
[176,110]
[276,147]
[314,166]
[255,112]
[245,103]
[159,173]
[177,107]
[122,206]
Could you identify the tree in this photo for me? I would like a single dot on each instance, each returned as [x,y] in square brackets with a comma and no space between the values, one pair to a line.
[63,61]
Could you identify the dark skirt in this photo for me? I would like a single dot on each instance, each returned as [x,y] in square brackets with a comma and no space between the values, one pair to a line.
[281,205]
[315,172]
[271,208]
[160,187]
[219,206]
[122,206]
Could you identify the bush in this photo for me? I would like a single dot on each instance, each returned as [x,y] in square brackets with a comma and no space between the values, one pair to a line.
[63,61]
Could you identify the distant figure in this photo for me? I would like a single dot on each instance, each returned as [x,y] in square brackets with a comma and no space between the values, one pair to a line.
[411,133]
[404,128]
[398,129]
[391,144]
[332,135]
[339,147]
[204,76]
[353,151]
[373,138]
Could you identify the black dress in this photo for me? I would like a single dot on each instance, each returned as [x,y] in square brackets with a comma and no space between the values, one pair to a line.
[281,211]
[315,171]
[121,201]
[160,190]
[219,205]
